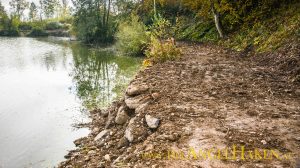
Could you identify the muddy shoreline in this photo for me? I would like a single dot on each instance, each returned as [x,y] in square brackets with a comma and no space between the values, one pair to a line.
[210,99]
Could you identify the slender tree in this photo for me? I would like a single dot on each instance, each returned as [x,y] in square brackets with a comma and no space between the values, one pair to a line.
[2,10]
[50,7]
[108,11]
[65,9]
[3,16]
[33,12]
[18,7]
[217,18]
[210,9]
[91,20]
[41,9]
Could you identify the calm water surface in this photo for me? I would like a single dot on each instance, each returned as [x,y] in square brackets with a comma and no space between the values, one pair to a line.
[46,86]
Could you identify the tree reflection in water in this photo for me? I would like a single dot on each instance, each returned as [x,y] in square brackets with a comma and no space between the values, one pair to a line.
[99,76]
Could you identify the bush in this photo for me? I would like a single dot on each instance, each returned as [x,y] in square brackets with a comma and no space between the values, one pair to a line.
[25,26]
[66,20]
[161,28]
[53,26]
[162,46]
[67,26]
[37,32]
[132,37]
[12,33]
[161,51]
[10,27]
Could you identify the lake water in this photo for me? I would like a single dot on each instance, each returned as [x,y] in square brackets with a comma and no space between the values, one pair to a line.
[46,86]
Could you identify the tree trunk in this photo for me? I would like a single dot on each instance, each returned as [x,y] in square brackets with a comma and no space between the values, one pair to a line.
[104,13]
[217,21]
[108,10]
[154,8]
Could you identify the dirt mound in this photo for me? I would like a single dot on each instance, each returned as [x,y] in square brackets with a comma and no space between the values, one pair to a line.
[212,108]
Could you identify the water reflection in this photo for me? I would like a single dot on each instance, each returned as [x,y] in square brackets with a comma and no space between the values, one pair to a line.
[99,76]
[45,87]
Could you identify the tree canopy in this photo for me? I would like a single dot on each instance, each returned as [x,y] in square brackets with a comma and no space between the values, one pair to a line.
[18,7]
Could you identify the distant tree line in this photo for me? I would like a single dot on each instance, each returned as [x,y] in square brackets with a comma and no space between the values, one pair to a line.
[97,21]
[25,15]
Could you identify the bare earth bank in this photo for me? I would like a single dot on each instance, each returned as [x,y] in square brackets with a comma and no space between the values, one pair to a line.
[212,108]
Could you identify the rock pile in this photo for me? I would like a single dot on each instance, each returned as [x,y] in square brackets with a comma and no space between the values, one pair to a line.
[136,101]
[115,129]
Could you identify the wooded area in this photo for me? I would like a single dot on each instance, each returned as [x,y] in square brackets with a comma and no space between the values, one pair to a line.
[100,21]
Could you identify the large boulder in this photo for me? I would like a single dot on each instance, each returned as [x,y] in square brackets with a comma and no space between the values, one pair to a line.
[134,90]
[141,108]
[135,131]
[129,130]
[122,116]
[134,102]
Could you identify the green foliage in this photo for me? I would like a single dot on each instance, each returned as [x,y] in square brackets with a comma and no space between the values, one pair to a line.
[161,28]
[24,26]
[12,32]
[2,11]
[192,30]
[132,38]
[10,27]
[66,20]
[53,26]
[162,46]
[284,32]
[3,16]
[161,51]
[167,8]
[92,21]
[37,32]
[267,34]
[38,24]
[50,7]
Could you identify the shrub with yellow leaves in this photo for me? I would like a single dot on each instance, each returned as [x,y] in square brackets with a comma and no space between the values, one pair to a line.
[162,50]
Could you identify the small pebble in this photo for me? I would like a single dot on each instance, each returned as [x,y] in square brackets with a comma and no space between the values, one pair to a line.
[264,142]
[107,157]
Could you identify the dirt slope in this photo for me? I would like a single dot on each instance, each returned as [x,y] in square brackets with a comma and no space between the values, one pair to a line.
[210,99]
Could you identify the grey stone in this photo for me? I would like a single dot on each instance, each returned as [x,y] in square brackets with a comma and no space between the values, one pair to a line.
[264,142]
[107,157]
[128,131]
[155,96]
[134,102]
[129,135]
[122,116]
[110,119]
[135,131]
[123,142]
[101,135]
[152,122]
[134,90]
[141,108]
